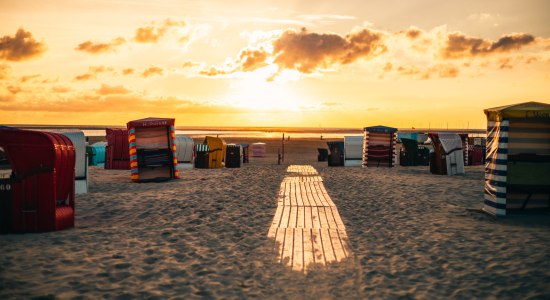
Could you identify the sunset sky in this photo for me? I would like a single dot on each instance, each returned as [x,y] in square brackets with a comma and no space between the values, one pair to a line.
[271,63]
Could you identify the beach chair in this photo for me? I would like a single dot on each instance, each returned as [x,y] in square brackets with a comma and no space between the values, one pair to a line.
[413,154]
[447,157]
[323,154]
[336,155]
[379,146]
[117,154]
[37,187]
[202,153]
[216,157]
[233,156]
[246,155]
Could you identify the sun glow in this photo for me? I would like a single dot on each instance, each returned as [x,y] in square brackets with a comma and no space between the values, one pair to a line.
[254,92]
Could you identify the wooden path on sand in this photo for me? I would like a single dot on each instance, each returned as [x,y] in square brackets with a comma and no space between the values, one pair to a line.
[307,227]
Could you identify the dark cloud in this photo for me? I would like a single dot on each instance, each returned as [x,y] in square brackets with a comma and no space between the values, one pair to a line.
[151,72]
[459,45]
[20,47]
[96,48]
[153,33]
[306,51]
[412,33]
[110,90]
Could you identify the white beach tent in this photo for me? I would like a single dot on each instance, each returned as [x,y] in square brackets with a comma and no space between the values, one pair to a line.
[81,161]
[353,151]
[184,151]
[452,145]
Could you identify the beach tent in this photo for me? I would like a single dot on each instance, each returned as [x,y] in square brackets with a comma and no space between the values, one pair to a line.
[246,155]
[336,155]
[517,169]
[258,149]
[447,157]
[117,156]
[353,151]
[233,156]
[185,151]
[216,156]
[38,195]
[202,153]
[81,163]
[152,149]
[323,154]
[476,151]
[413,154]
[96,154]
[379,146]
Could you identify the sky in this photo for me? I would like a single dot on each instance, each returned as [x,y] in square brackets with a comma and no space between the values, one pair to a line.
[347,64]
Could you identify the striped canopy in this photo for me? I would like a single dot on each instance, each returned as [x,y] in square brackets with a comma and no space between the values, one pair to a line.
[518,156]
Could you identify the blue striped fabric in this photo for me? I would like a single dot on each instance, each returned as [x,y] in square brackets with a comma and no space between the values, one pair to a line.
[496,168]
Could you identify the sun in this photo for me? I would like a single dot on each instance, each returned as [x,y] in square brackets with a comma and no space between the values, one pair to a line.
[255,91]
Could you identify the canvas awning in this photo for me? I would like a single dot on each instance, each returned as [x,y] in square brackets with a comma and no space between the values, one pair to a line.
[527,110]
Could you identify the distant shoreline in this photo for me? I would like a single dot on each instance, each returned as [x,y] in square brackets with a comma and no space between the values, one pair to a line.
[253,129]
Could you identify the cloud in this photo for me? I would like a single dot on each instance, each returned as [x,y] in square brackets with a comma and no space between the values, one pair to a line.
[305,51]
[459,45]
[437,70]
[128,71]
[189,64]
[92,73]
[84,77]
[412,33]
[110,90]
[151,71]
[90,101]
[20,47]
[5,70]
[97,48]
[61,89]
[153,33]
[14,89]
[24,79]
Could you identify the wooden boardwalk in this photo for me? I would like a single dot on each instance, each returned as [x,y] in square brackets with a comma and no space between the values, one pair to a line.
[307,227]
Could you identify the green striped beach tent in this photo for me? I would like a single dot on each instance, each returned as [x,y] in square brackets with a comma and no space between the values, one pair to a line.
[517,171]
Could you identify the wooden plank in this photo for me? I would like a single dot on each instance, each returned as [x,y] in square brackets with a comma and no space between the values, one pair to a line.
[277,218]
[293,217]
[322,217]
[285,217]
[280,241]
[318,252]
[315,217]
[308,248]
[338,219]
[339,252]
[330,217]
[314,197]
[301,217]
[298,256]
[299,196]
[327,246]
[308,223]
[288,248]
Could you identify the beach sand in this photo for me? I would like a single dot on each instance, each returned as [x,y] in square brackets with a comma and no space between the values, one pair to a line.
[205,236]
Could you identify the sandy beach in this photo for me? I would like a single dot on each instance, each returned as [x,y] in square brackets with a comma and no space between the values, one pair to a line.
[205,236]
